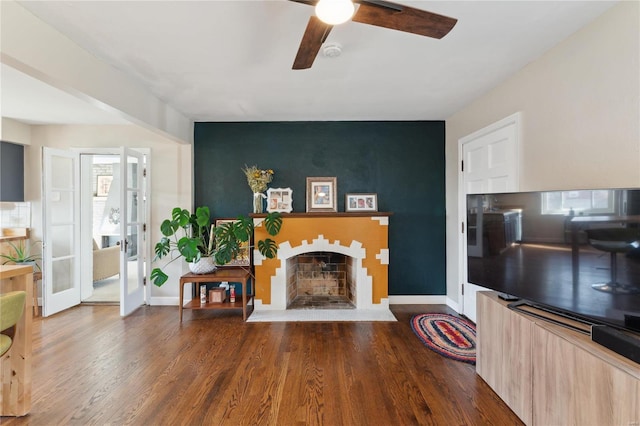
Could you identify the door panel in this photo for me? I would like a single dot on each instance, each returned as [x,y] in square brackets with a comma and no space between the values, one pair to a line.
[490,158]
[61,272]
[132,260]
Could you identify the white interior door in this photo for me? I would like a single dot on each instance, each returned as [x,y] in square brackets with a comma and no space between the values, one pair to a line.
[131,231]
[61,248]
[489,163]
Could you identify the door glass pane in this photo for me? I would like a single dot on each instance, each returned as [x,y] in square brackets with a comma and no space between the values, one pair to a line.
[132,239]
[63,273]
[61,207]
[133,275]
[61,172]
[61,241]
[133,206]
[132,173]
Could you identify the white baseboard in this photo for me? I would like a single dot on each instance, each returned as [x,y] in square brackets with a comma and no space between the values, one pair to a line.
[417,300]
[164,301]
[453,305]
[393,300]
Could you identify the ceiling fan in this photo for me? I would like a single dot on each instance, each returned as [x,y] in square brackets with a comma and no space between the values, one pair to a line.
[373,12]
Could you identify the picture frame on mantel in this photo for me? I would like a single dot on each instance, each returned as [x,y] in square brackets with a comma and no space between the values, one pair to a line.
[361,202]
[279,200]
[322,194]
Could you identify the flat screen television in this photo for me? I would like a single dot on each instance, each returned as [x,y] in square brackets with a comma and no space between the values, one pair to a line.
[559,250]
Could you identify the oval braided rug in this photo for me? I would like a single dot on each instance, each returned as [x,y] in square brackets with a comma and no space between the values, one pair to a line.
[447,335]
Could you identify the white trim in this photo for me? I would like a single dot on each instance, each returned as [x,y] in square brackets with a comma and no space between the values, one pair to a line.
[417,300]
[165,301]
[383,220]
[383,256]
[453,305]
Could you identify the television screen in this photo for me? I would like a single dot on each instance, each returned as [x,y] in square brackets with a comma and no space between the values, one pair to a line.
[574,251]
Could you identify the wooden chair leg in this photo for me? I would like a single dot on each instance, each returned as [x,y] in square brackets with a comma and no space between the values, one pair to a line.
[37,276]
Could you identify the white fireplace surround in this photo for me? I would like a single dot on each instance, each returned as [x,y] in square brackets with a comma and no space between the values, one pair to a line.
[364,294]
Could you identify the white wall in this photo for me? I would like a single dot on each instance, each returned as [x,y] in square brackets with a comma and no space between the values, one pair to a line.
[171,178]
[15,131]
[580,105]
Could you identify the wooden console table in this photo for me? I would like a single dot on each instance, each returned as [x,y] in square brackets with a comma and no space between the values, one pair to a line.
[230,275]
[15,370]
[551,375]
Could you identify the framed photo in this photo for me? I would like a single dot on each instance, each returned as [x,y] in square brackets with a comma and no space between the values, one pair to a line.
[322,194]
[280,200]
[103,185]
[361,203]
[243,258]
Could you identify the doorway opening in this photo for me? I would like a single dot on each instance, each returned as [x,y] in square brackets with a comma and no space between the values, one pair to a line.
[102,201]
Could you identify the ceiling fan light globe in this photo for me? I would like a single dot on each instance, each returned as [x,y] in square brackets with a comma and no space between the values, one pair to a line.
[335,12]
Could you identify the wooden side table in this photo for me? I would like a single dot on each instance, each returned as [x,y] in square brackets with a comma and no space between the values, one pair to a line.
[219,275]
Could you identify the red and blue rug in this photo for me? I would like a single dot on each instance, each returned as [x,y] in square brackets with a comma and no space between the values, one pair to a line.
[447,335]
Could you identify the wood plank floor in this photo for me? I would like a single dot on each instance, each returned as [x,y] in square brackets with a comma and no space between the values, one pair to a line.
[93,368]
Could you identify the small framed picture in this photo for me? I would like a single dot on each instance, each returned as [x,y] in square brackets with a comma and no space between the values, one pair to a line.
[361,203]
[243,258]
[280,200]
[103,185]
[322,194]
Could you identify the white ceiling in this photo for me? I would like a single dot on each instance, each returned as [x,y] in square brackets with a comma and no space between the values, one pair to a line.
[231,60]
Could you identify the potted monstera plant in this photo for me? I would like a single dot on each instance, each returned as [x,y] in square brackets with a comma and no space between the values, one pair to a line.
[203,246]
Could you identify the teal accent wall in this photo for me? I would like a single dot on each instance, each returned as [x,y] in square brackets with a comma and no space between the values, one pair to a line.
[402,161]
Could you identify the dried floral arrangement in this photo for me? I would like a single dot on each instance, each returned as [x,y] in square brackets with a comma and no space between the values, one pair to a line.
[257,178]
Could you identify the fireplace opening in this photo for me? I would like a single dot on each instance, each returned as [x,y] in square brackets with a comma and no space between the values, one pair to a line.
[321,280]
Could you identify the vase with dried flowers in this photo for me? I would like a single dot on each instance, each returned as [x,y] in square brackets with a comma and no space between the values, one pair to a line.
[258,180]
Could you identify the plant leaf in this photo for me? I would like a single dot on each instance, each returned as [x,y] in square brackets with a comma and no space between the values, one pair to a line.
[243,228]
[268,248]
[168,228]
[224,254]
[188,247]
[158,277]
[203,217]
[180,216]
[162,248]
[273,223]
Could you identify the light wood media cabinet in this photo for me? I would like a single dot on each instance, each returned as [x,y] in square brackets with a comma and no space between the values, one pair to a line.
[551,375]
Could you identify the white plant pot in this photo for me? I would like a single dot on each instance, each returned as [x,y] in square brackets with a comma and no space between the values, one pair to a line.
[205,265]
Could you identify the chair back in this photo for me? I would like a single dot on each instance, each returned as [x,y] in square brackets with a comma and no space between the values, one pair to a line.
[11,309]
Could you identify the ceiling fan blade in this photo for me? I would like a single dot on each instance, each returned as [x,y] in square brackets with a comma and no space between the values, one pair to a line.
[404,18]
[315,34]
[308,2]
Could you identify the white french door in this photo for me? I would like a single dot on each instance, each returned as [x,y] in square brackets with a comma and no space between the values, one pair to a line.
[61,246]
[489,163]
[62,228]
[132,207]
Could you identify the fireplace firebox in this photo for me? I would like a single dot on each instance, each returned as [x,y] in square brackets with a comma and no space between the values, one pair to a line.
[320,280]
